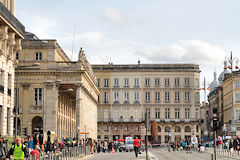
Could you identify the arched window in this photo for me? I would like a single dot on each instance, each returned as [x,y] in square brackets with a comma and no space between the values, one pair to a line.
[187,129]
[167,129]
[177,129]
[159,129]
[37,123]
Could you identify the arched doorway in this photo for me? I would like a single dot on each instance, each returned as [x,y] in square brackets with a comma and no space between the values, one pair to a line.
[37,122]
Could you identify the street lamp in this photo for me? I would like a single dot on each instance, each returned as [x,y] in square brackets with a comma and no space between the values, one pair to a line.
[17,93]
[231,60]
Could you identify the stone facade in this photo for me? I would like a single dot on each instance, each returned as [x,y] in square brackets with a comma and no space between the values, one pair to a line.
[168,92]
[59,95]
[11,34]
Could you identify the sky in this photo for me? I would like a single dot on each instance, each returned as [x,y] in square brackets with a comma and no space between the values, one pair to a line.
[202,32]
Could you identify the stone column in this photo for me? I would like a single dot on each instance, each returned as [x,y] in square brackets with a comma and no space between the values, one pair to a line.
[79,108]
[51,107]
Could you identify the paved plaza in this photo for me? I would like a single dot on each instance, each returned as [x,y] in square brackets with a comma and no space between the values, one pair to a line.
[157,155]
[182,155]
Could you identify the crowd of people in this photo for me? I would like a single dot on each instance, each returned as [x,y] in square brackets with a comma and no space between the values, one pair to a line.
[23,148]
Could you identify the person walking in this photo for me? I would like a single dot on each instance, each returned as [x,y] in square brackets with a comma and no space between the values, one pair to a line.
[18,150]
[34,152]
[136,145]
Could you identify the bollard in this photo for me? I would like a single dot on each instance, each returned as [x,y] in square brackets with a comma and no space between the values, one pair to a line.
[212,156]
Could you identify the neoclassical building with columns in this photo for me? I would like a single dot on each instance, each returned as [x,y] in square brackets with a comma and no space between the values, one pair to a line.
[55,93]
[168,93]
[11,34]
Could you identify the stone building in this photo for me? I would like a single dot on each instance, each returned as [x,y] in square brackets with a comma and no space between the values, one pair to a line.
[11,34]
[58,95]
[169,93]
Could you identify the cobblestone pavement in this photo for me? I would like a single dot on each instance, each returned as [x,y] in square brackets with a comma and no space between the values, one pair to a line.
[116,156]
[182,155]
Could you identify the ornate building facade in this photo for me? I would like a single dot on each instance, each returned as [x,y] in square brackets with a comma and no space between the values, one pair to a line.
[11,34]
[169,93]
[57,95]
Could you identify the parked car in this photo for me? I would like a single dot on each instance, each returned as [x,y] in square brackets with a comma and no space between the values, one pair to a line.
[129,146]
[122,147]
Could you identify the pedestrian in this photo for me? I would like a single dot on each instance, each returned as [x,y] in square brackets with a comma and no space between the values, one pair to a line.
[18,150]
[136,145]
[35,152]
[189,145]
[3,149]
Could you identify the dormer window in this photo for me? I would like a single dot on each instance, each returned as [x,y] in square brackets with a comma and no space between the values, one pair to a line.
[38,56]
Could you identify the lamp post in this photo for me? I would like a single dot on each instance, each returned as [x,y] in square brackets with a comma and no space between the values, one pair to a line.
[231,60]
[17,94]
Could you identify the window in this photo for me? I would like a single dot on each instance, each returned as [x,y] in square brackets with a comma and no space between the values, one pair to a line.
[187,112]
[8,118]
[38,96]
[197,128]
[159,128]
[157,96]
[177,113]
[237,84]
[237,97]
[157,113]
[126,128]
[148,112]
[38,56]
[187,96]
[187,129]
[16,96]
[177,129]
[177,96]
[136,82]
[98,82]
[116,96]
[115,128]
[106,83]
[197,97]
[106,114]
[137,129]
[116,82]
[147,96]
[237,115]
[176,82]
[167,96]
[116,113]
[98,99]
[136,96]
[157,82]
[136,113]
[126,82]
[167,82]
[167,113]
[197,82]
[17,56]
[126,96]
[167,129]
[186,82]
[196,113]
[126,113]
[105,128]
[105,97]
[147,81]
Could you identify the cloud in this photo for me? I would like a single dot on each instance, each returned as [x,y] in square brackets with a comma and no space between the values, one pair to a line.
[41,25]
[113,15]
[91,37]
[186,51]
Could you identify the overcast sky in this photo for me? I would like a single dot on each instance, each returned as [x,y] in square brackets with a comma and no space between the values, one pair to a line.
[153,31]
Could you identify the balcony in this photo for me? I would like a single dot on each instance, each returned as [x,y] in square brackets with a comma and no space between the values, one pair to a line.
[12,19]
